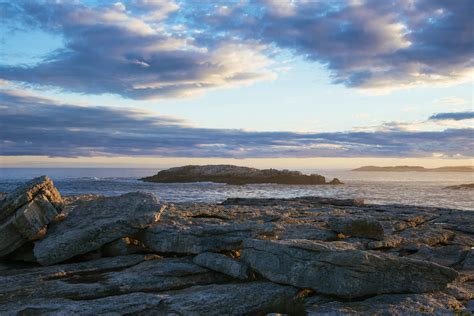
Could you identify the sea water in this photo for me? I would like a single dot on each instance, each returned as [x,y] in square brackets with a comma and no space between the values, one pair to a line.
[414,188]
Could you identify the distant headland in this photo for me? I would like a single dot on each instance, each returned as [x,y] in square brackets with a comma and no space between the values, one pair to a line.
[416,169]
[231,174]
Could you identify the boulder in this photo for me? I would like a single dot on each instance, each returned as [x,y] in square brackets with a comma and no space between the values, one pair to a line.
[335,181]
[94,223]
[331,269]
[25,212]
[27,192]
[357,227]
[233,175]
[224,264]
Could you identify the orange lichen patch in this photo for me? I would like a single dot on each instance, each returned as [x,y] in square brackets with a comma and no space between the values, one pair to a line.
[60,217]
[304,293]
[152,257]
[342,236]
[234,254]
[40,234]
[55,276]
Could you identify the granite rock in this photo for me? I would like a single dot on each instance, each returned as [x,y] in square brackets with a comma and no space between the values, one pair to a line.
[341,271]
[25,213]
[224,264]
[94,223]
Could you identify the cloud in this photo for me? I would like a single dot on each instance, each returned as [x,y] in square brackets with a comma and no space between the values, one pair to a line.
[367,44]
[132,51]
[456,116]
[42,127]
[147,49]
[450,102]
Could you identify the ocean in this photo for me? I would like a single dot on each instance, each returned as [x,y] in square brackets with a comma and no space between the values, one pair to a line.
[414,188]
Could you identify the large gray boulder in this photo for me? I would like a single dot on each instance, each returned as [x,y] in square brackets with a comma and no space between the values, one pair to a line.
[27,192]
[25,212]
[333,269]
[94,223]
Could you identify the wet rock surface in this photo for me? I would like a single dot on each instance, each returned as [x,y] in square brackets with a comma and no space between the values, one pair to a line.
[302,256]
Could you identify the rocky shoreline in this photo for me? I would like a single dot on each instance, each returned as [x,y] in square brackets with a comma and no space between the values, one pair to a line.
[133,254]
[236,175]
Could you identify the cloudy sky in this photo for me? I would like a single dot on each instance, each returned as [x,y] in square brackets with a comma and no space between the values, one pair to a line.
[265,83]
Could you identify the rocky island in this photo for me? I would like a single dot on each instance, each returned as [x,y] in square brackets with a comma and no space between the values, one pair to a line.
[466,186]
[133,254]
[230,174]
[416,169]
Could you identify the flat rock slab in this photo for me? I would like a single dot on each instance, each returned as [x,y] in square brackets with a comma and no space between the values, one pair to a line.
[314,200]
[401,304]
[26,211]
[224,264]
[348,273]
[231,299]
[357,227]
[468,264]
[448,256]
[115,276]
[222,299]
[91,224]
[201,236]
[130,304]
[24,282]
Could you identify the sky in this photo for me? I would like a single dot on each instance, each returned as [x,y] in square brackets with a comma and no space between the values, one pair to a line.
[293,84]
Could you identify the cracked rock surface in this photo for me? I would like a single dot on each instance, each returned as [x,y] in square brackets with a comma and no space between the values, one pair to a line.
[92,224]
[131,254]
